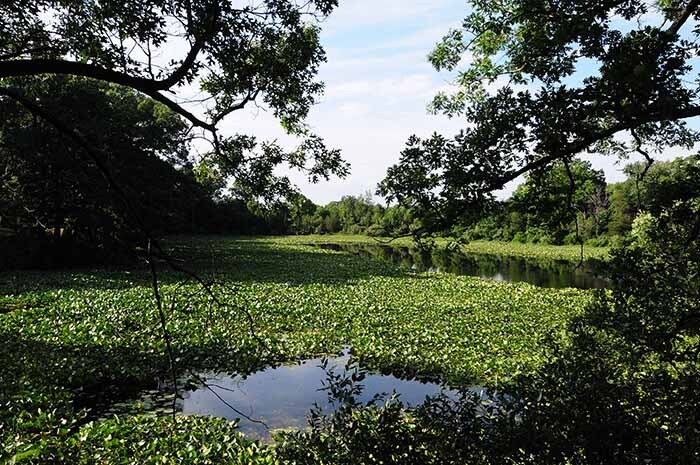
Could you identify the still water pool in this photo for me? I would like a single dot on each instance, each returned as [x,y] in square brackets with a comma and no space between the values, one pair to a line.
[281,398]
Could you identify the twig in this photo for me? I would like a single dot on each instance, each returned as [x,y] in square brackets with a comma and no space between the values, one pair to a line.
[640,177]
[164,328]
[227,404]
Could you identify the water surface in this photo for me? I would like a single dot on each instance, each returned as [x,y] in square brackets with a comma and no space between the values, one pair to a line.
[540,272]
[282,397]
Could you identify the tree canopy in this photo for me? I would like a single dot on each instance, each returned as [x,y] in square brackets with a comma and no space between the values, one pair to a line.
[544,81]
[202,60]
[47,186]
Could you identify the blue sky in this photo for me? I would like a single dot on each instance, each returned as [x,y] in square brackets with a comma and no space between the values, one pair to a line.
[378,83]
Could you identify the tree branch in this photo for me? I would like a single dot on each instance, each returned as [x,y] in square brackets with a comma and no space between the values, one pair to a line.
[690,8]
[174,106]
[180,73]
[30,67]
[13,68]
[164,326]
[584,143]
[248,98]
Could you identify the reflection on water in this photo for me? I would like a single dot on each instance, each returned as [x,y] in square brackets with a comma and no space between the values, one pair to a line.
[283,396]
[543,273]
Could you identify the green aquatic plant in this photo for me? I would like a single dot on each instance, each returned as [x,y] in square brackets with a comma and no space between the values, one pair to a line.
[569,253]
[74,337]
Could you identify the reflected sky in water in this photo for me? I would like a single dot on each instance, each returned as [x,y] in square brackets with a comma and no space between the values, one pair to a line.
[283,396]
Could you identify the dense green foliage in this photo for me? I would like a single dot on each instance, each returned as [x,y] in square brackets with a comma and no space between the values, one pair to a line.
[58,208]
[542,210]
[96,137]
[624,389]
[351,215]
[138,440]
[540,84]
[70,335]
[545,209]
[267,53]
[48,187]
[661,185]
[94,152]
[621,389]
[550,207]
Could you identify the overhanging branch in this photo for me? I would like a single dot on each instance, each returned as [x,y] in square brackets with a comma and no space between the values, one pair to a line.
[583,144]
[14,68]
[689,9]
[32,67]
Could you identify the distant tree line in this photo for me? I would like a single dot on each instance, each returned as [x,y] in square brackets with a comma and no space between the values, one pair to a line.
[350,215]
[594,211]
[557,206]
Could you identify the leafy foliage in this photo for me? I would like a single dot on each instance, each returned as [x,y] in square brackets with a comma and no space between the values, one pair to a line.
[662,184]
[385,431]
[237,55]
[236,52]
[70,335]
[624,388]
[553,199]
[621,389]
[150,440]
[48,185]
[635,77]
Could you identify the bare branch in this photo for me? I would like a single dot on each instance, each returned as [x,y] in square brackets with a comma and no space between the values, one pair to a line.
[247,99]
[35,66]
[639,177]
[10,68]
[639,149]
[227,404]
[181,111]
[163,325]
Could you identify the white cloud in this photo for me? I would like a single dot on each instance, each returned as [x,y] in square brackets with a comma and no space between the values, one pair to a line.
[354,109]
[339,63]
[399,86]
[424,38]
[420,42]
[378,82]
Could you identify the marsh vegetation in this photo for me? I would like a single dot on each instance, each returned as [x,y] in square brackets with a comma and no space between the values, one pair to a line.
[169,295]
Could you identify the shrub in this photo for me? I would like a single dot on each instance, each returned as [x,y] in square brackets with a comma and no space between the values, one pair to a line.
[520,237]
[376,230]
[601,241]
[622,390]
